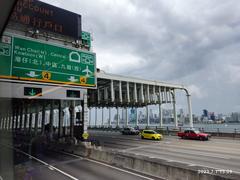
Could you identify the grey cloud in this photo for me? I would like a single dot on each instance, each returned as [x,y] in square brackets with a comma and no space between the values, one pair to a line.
[189,42]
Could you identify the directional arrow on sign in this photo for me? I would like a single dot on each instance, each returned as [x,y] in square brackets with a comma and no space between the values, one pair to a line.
[72,79]
[32,74]
[32,93]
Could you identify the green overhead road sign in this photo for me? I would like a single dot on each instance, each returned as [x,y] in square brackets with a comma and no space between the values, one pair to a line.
[29,91]
[28,59]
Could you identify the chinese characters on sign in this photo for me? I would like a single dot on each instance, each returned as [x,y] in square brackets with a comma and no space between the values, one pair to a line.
[40,15]
[36,61]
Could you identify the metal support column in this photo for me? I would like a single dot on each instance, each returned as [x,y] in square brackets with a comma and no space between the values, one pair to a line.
[118,116]
[90,116]
[72,117]
[135,93]
[142,93]
[17,118]
[136,117]
[102,116]
[174,109]
[60,118]
[147,113]
[21,117]
[127,117]
[160,108]
[160,115]
[30,123]
[51,119]
[148,94]
[43,117]
[96,116]
[154,94]
[25,118]
[123,115]
[190,110]
[109,122]
[128,95]
[165,95]
[120,91]
[112,92]
[36,120]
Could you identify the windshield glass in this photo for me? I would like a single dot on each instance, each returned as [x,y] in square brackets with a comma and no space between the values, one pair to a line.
[89,86]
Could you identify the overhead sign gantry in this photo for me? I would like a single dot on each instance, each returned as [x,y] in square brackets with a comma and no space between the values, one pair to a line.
[25,59]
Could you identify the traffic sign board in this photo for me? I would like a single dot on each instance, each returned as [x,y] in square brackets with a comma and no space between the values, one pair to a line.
[28,59]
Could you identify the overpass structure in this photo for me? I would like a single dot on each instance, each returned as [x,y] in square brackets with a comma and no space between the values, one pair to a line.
[116,91]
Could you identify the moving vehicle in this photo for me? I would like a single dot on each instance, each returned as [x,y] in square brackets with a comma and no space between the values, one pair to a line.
[193,134]
[151,134]
[129,131]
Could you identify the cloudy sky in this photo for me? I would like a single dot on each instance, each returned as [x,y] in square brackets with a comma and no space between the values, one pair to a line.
[191,42]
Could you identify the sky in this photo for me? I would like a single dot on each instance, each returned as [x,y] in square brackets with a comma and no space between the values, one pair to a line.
[190,42]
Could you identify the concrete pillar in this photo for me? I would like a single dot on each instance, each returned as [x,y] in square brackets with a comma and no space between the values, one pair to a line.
[51,119]
[135,93]
[90,116]
[148,94]
[112,92]
[165,95]
[142,93]
[106,94]
[118,116]
[96,117]
[98,96]
[109,122]
[30,123]
[123,116]
[147,113]
[154,94]
[85,114]
[0,121]
[25,118]
[5,122]
[120,91]
[128,95]
[16,118]
[9,120]
[160,115]
[60,118]
[36,120]
[21,117]
[190,110]
[136,116]
[127,120]
[160,108]
[174,109]
[43,117]
[102,116]
[72,117]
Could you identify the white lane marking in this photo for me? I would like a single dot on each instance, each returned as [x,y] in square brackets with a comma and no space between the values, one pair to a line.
[107,165]
[39,160]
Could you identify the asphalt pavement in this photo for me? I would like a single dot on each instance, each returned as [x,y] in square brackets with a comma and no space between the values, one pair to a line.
[216,153]
[61,166]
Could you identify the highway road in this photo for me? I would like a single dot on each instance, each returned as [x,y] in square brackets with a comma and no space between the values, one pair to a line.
[62,166]
[216,153]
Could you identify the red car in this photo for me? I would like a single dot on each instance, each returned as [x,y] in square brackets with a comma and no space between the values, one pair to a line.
[193,134]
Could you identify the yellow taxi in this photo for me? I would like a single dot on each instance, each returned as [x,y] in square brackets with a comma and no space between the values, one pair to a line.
[151,134]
